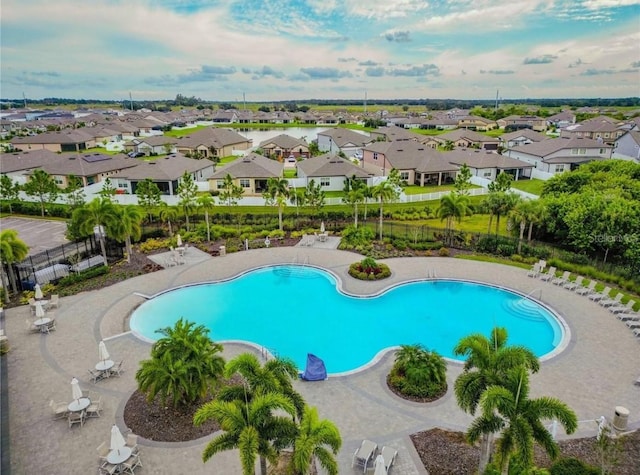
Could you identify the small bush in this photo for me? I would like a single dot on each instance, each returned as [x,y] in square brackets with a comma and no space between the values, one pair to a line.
[443,252]
[572,466]
[82,276]
[369,269]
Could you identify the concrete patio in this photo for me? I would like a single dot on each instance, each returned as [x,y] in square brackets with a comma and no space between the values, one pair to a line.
[593,374]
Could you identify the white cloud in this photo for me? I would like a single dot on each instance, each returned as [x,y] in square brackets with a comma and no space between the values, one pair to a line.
[384,9]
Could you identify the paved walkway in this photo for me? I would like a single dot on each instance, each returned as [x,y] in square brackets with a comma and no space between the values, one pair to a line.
[593,374]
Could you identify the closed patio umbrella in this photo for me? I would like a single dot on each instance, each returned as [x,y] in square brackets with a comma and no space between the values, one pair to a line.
[178,241]
[76,392]
[103,354]
[39,310]
[379,466]
[38,292]
[322,227]
[117,440]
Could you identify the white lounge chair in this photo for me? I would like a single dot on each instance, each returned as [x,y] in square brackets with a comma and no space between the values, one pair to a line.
[364,454]
[627,317]
[610,302]
[563,279]
[389,455]
[550,274]
[591,288]
[626,308]
[575,284]
[597,296]
[632,324]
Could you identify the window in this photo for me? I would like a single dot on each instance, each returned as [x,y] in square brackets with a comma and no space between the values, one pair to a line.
[404,176]
[487,174]
[122,184]
[58,180]
[245,183]
[325,181]
[582,151]
[601,152]
[220,184]
[375,155]
[559,168]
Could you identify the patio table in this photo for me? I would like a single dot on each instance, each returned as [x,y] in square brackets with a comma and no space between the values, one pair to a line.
[78,405]
[42,323]
[104,365]
[118,456]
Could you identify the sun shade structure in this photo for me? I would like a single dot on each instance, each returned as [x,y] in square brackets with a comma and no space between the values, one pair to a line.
[315,370]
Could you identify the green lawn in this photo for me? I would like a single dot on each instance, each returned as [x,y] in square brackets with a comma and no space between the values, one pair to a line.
[290,173]
[533,186]
[226,160]
[184,132]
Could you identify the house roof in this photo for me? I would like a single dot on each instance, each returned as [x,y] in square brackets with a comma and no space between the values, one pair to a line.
[346,138]
[87,164]
[17,161]
[155,140]
[65,137]
[284,141]
[328,165]
[484,159]
[411,155]
[633,134]
[461,134]
[212,137]
[169,168]
[395,133]
[547,147]
[253,165]
[525,133]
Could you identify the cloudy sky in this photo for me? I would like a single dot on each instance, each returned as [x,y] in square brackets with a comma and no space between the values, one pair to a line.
[303,49]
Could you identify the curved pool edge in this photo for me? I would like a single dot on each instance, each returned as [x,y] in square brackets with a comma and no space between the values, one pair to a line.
[564,338]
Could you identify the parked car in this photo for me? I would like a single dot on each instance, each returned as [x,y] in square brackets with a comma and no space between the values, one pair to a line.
[135,154]
[291,159]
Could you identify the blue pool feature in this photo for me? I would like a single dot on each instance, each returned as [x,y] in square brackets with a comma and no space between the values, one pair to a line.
[294,310]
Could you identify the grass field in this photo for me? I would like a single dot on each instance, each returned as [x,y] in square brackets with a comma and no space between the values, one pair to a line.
[533,186]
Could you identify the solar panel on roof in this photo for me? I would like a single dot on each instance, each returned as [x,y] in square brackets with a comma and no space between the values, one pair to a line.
[96,157]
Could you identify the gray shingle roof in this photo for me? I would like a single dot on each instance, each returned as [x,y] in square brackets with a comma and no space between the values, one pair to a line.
[345,137]
[212,137]
[547,147]
[251,166]
[484,159]
[168,168]
[284,141]
[329,165]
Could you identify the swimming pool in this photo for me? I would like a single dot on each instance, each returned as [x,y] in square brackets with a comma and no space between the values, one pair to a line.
[294,310]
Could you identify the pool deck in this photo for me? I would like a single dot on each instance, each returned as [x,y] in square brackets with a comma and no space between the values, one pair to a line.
[593,375]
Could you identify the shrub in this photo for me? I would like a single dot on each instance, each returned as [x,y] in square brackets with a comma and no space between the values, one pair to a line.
[443,252]
[572,466]
[82,276]
[418,372]
[369,269]
[154,244]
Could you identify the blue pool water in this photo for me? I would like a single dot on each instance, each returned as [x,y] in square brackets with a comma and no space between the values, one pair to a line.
[295,310]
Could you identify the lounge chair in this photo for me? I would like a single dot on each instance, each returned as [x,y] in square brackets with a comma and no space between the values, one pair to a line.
[563,279]
[550,274]
[389,455]
[632,324]
[364,454]
[611,302]
[591,288]
[628,317]
[534,271]
[626,308]
[575,284]
[597,296]
[59,409]
[636,332]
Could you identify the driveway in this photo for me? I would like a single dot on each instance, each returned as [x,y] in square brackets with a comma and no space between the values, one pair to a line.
[38,234]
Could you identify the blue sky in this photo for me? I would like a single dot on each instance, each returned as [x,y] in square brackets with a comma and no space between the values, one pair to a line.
[303,49]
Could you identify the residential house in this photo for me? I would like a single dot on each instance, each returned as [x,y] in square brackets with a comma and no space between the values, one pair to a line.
[18,165]
[225,116]
[165,172]
[154,145]
[250,172]
[561,154]
[392,134]
[65,141]
[472,122]
[523,122]
[602,128]
[627,146]
[338,140]
[561,119]
[440,122]
[213,142]
[521,137]
[416,163]
[330,171]
[489,165]
[283,146]
[462,138]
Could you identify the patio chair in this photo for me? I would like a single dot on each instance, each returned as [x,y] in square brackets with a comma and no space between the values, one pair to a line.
[54,301]
[97,375]
[575,284]
[597,296]
[627,317]
[632,324]
[117,369]
[51,325]
[32,305]
[103,451]
[364,454]
[591,288]
[132,443]
[31,328]
[76,418]
[95,407]
[610,302]
[132,463]
[59,409]
[534,271]
[563,279]
[550,274]
[626,308]
[389,455]
[636,332]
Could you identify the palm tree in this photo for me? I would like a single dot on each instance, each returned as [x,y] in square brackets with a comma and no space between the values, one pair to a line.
[316,440]
[276,194]
[384,192]
[275,376]
[507,406]
[128,225]
[520,215]
[487,362]
[12,250]
[206,202]
[453,207]
[169,214]
[98,212]
[537,215]
[184,365]
[250,426]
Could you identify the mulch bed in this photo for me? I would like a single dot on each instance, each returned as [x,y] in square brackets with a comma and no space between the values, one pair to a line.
[447,453]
